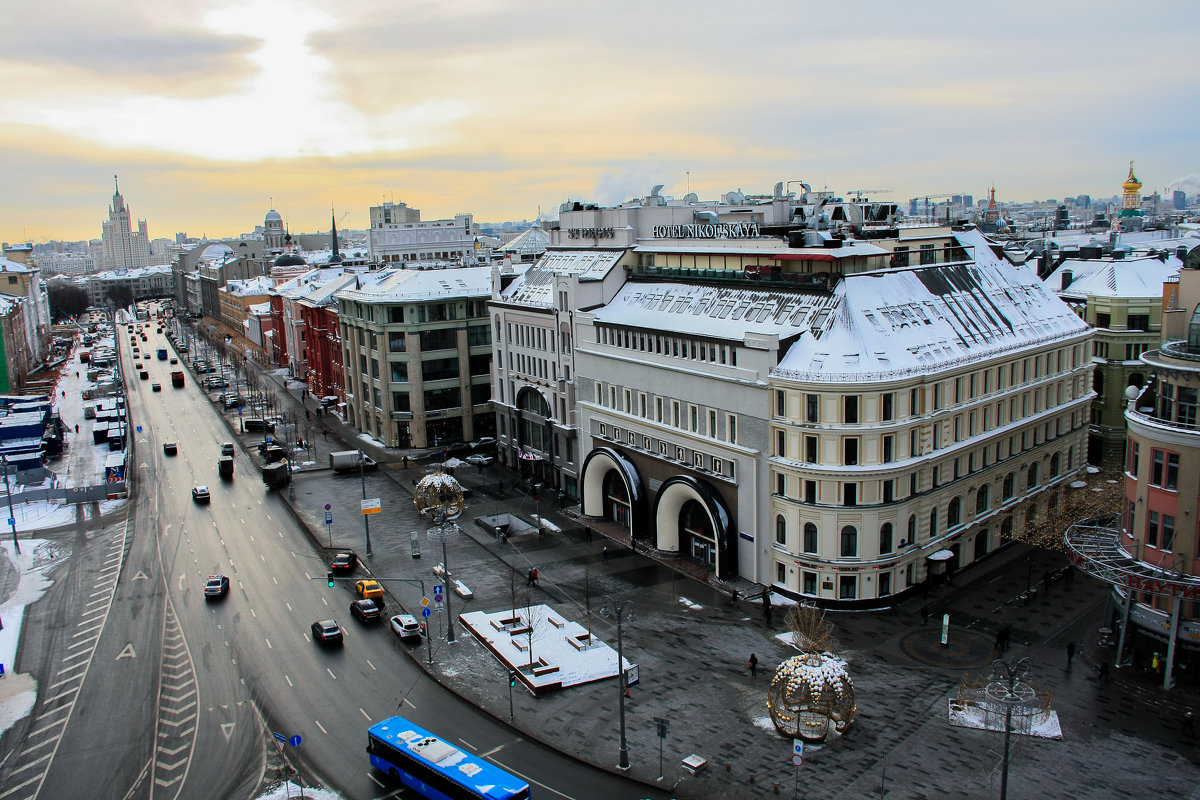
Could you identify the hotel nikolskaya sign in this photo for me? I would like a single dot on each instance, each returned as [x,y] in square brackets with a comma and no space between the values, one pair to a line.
[717,230]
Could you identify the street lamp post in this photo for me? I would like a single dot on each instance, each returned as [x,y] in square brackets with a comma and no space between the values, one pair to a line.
[440,497]
[612,606]
[1009,686]
[362,476]
[12,518]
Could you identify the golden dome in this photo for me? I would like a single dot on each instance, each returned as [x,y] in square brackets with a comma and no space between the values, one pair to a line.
[1132,184]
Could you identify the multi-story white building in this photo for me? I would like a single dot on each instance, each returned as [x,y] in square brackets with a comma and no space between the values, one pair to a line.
[121,246]
[397,234]
[788,400]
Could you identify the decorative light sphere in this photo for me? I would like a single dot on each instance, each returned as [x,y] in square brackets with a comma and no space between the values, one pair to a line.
[439,494]
[809,693]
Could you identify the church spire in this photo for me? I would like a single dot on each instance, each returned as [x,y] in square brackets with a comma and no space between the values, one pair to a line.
[336,258]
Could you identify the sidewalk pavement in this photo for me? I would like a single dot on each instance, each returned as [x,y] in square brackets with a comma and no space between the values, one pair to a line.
[1121,737]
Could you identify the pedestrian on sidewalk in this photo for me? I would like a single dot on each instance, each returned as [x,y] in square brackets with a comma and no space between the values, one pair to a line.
[604,554]
[308,415]
[733,597]
[1070,653]
[1104,671]
[753,665]
[1189,724]
[535,578]
[529,578]
[1006,634]
[767,609]
[325,434]
[406,462]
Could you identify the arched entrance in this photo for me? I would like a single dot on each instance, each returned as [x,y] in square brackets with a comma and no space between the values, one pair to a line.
[691,519]
[535,436]
[612,489]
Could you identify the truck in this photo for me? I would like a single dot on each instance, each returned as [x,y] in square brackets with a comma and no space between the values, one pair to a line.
[348,460]
[162,354]
[177,378]
[225,467]
[276,475]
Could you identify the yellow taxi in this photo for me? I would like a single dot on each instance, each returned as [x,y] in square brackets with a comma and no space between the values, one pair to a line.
[369,590]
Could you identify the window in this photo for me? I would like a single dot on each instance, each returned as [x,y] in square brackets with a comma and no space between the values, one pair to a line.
[850,494]
[889,491]
[1033,475]
[889,403]
[1138,322]
[780,573]
[885,538]
[1152,529]
[399,371]
[847,587]
[889,448]
[1157,462]
[933,523]
[850,408]
[981,500]
[810,449]
[396,342]
[811,408]
[849,542]
[810,537]
[912,530]
[780,484]
[780,444]
[810,491]
[780,403]
[1009,484]
[1103,320]
[850,451]
[1172,480]
[1131,465]
[1168,531]
[810,583]
[780,530]
[885,584]
[731,428]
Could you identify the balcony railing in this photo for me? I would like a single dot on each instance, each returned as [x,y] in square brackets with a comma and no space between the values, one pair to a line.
[1153,419]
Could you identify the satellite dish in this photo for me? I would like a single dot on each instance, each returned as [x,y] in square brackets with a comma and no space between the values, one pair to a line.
[691,197]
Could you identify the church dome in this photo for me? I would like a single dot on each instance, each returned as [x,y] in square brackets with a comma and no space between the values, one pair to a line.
[273,216]
[289,260]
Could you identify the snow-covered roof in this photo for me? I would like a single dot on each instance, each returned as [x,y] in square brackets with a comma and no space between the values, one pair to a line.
[260,284]
[536,286]
[263,309]
[8,265]
[132,274]
[406,285]
[1108,277]
[533,241]
[889,324]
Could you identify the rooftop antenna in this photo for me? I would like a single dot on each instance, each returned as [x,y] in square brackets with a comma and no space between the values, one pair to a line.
[689,182]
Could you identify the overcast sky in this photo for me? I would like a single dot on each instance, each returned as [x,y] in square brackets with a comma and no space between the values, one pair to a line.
[214,112]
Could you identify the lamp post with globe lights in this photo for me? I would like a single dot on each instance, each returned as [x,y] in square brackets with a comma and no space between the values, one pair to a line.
[440,497]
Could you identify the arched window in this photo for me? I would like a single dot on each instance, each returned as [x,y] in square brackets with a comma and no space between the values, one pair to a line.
[954,512]
[912,528]
[1009,483]
[849,542]
[933,522]
[981,500]
[810,537]
[1033,475]
[1194,331]
[1054,464]
[780,530]
[885,538]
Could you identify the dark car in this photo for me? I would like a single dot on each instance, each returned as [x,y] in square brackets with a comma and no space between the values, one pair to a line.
[327,631]
[343,563]
[366,610]
[170,448]
[217,587]
[201,494]
[156,387]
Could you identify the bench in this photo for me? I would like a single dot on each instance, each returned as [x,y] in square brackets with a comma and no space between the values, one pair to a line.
[580,642]
[544,669]
[558,623]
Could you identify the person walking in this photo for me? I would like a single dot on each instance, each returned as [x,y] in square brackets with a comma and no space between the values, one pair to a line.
[1006,632]
[768,611]
[1189,724]
[753,665]
[604,554]
[1070,653]
[529,578]
[1104,671]
[535,578]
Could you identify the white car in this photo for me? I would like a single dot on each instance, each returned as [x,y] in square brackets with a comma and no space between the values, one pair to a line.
[406,626]
[480,460]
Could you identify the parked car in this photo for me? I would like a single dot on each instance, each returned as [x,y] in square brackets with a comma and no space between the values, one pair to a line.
[480,460]
[482,442]
[216,587]
[327,631]
[343,563]
[201,494]
[406,626]
[367,610]
[170,448]
[369,590]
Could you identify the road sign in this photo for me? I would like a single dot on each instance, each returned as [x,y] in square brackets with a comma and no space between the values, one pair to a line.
[797,747]
[328,517]
[11,521]
[328,507]
[425,602]
[437,598]
[437,589]
[424,612]
[295,740]
[280,740]
[798,761]
[371,506]
[139,428]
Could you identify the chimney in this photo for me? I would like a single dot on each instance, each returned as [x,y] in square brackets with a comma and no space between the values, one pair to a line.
[1067,277]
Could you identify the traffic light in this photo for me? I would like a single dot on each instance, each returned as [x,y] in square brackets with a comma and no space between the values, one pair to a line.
[329,577]
[512,679]
[424,632]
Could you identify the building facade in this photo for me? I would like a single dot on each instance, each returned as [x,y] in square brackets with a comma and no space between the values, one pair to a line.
[417,355]
[397,234]
[121,246]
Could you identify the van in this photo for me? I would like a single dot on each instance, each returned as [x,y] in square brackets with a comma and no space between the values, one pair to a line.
[258,425]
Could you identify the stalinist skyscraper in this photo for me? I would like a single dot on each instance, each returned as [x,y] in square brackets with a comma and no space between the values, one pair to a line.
[122,248]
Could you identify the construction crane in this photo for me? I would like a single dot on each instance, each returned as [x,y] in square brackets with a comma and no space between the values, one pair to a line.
[858,193]
[938,196]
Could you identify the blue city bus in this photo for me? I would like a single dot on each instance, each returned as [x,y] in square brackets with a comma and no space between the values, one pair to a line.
[435,768]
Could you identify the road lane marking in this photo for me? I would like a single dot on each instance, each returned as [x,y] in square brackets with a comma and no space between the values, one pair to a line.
[275,579]
[365,714]
[323,600]
[377,783]
[289,680]
[289,606]
[369,664]
[268,641]
[262,558]
[322,727]
[253,614]
[327,669]
[410,703]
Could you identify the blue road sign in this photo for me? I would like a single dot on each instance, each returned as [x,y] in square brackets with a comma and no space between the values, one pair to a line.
[424,612]
[294,741]
[328,507]
[12,521]
[279,737]
[139,428]
[437,589]
[328,517]
[437,598]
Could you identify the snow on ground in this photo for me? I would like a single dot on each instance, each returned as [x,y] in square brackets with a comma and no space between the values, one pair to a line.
[19,691]
[366,437]
[1045,726]
[690,604]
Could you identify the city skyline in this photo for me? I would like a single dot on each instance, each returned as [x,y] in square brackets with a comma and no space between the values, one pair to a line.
[212,114]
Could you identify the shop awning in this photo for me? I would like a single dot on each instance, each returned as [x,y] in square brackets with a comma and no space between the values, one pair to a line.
[941,555]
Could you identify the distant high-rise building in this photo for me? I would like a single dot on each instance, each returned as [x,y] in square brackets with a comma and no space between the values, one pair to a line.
[1180,200]
[121,246]
[1084,201]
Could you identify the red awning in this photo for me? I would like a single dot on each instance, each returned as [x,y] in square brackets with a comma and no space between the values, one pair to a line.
[803,257]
